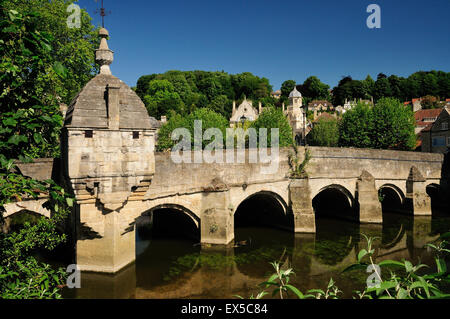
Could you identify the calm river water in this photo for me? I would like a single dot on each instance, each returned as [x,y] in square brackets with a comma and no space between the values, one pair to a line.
[178,268]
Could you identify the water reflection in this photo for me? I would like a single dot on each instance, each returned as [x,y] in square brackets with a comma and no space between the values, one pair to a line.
[178,268]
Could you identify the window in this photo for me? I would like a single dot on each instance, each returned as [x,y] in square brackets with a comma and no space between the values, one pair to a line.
[444,125]
[429,119]
[438,141]
[135,135]
[88,134]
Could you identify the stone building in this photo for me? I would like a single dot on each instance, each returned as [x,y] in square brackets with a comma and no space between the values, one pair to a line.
[320,106]
[276,94]
[436,136]
[296,114]
[424,118]
[348,105]
[245,112]
[111,141]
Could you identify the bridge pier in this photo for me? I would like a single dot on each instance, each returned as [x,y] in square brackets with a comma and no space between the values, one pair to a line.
[217,221]
[416,193]
[301,204]
[367,199]
[106,241]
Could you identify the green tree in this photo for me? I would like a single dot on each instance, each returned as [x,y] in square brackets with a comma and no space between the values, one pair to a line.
[161,98]
[393,125]
[221,104]
[208,118]
[29,124]
[274,118]
[71,63]
[356,126]
[325,133]
[382,88]
[287,87]
[314,88]
[369,84]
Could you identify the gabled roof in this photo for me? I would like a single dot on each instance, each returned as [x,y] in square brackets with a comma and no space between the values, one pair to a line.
[323,102]
[428,128]
[324,116]
[420,115]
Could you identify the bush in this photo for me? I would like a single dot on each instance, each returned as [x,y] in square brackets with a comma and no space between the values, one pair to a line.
[393,125]
[355,127]
[209,118]
[388,125]
[274,118]
[325,133]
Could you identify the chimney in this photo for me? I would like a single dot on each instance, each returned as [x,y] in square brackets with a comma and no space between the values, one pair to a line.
[260,108]
[113,107]
[234,108]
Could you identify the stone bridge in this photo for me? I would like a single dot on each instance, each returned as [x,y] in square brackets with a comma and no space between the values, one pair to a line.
[210,195]
[109,162]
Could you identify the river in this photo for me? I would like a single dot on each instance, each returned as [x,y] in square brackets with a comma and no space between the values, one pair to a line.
[170,267]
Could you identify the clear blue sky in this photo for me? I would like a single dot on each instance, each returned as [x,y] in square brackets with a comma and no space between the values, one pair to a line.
[279,40]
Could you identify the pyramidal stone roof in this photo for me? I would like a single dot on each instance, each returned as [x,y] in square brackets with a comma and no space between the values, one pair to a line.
[90,108]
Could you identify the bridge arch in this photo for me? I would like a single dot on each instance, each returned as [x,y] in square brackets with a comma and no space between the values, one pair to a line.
[392,197]
[33,206]
[266,208]
[176,207]
[168,220]
[335,200]
[264,193]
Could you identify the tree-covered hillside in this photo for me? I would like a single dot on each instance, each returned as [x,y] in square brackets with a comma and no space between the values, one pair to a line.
[185,91]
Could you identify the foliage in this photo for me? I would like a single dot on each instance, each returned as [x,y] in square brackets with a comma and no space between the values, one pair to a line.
[192,90]
[388,125]
[280,282]
[42,63]
[314,89]
[406,283]
[71,64]
[325,133]
[298,169]
[21,275]
[210,119]
[356,126]
[162,98]
[39,66]
[274,118]
[429,102]
[418,84]
[393,125]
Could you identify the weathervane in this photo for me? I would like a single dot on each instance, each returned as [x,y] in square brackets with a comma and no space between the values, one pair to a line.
[103,13]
